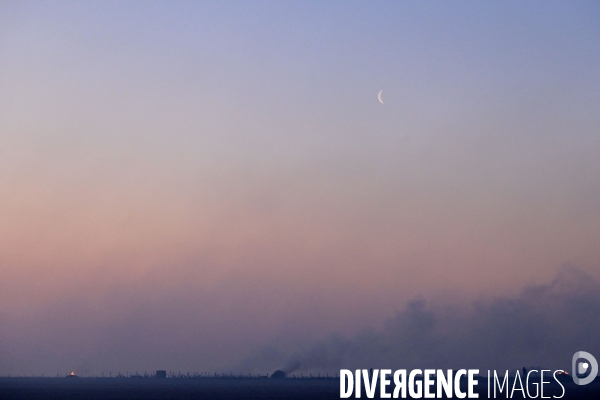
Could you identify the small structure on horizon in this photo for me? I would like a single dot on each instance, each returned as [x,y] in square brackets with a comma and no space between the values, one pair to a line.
[72,375]
[279,374]
[161,374]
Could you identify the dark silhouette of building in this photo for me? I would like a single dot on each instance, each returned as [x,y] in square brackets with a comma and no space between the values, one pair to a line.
[161,374]
[279,374]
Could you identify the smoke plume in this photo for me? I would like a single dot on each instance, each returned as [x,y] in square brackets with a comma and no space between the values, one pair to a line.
[542,326]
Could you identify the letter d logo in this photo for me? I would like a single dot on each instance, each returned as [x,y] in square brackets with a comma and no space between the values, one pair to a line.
[582,367]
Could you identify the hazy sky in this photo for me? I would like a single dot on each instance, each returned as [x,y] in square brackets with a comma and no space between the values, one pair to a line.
[185,183]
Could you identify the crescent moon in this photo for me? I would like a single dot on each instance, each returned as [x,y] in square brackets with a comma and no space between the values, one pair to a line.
[379,97]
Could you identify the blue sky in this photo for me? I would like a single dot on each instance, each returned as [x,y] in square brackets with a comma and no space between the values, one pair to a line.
[235,151]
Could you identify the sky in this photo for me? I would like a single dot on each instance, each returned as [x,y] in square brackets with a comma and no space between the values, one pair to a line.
[214,186]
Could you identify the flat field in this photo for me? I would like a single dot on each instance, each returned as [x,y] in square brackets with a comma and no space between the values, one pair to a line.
[211,388]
